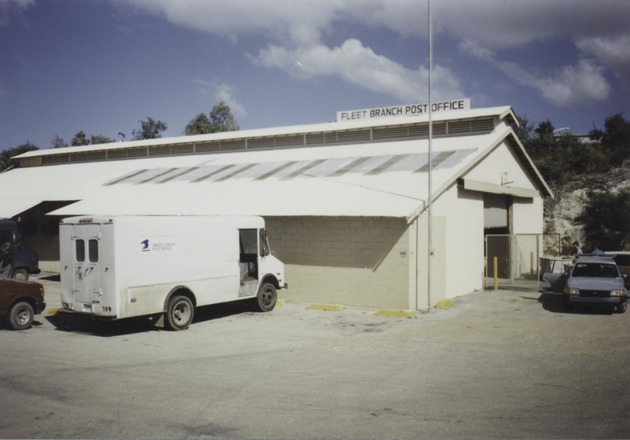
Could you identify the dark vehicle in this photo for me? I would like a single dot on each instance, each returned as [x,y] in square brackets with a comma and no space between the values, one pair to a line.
[16,259]
[595,280]
[20,301]
[622,258]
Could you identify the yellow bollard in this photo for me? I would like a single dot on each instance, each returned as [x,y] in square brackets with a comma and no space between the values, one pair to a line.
[495,262]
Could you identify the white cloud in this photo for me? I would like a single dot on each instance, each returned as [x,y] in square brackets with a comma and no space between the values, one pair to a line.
[572,85]
[224,92]
[9,7]
[495,23]
[597,28]
[473,48]
[298,29]
[279,19]
[5,4]
[501,24]
[220,92]
[613,53]
[360,66]
[565,86]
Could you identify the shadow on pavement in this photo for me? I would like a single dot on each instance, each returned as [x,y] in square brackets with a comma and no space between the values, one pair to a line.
[77,323]
[5,326]
[74,323]
[552,302]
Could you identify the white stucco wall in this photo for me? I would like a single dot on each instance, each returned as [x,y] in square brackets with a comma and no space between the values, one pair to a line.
[464,242]
[527,216]
[464,214]
[501,160]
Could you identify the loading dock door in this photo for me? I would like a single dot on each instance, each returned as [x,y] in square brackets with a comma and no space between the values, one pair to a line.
[498,246]
[496,210]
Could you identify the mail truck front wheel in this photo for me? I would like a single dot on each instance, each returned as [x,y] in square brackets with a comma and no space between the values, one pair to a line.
[266,298]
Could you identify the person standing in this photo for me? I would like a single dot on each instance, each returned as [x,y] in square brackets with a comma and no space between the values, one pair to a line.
[596,250]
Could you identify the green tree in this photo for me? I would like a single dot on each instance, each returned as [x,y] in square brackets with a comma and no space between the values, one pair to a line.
[545,129]
[605,218]
[149,129]
[563,157]
[614,138]
[200,124]
[100,139]
[220,120]
[80,139]
[58,142]
[542,144]
[524,130]
[6,155]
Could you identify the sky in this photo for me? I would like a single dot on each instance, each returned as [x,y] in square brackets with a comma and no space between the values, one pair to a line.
[102,66]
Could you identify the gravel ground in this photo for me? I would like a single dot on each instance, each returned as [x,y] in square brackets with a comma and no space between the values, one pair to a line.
[505,364]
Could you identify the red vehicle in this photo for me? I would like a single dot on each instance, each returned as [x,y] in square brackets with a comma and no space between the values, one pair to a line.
[20,301]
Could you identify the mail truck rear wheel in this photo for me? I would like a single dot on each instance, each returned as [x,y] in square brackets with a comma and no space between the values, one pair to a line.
[179,313]
[266,298]
[21,316]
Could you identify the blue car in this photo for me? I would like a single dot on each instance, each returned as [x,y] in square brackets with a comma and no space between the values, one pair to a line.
[595,280]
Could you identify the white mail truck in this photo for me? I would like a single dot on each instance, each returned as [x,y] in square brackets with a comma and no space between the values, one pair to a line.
[165,266]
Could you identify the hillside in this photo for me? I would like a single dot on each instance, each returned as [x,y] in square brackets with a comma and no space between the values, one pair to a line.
[561,212]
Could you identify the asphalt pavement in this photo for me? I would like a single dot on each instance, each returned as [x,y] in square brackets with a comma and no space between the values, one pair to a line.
[504,364]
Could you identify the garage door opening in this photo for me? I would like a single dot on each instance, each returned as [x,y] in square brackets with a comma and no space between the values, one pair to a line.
[496,210]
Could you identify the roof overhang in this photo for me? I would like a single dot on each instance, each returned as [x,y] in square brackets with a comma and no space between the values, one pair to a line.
[12,207]
[376,178]
[473,185]
[504,113]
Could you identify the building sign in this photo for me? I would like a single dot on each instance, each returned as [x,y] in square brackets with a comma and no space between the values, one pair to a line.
[403,110]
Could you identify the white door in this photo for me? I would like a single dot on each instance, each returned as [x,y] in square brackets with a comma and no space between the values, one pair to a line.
[87,275]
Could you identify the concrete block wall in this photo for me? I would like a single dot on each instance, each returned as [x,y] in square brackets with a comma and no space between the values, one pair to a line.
[354,261]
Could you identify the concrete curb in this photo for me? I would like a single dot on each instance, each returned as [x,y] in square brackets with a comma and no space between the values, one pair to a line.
[325,307]
[444,304]
[395,314]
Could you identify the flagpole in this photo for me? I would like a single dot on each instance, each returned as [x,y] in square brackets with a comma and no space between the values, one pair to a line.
[430,165]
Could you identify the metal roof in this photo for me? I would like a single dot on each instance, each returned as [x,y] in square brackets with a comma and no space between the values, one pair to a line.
[382,179]
[504,113]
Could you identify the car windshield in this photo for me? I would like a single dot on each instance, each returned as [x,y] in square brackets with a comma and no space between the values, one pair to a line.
[595,270]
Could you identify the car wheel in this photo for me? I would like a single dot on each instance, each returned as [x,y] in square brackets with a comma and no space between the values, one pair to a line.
[179,313]
[21,316]
[621,308]
[566,304]
[266,298]
[20,274]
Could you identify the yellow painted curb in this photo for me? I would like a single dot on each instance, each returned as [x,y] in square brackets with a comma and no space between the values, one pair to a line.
[53,310]
[395,314]
[325,307]
[444,304]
